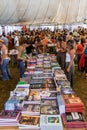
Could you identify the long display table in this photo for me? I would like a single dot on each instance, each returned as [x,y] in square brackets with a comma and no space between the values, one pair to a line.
[16,128]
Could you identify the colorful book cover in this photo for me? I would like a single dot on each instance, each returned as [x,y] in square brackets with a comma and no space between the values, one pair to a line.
[31,108]
[50,122]
[74,100]
[9,115]
[52,102]
[48,95]
[49,109]
[36,86]
[27,120]
[34,95]
[25,79]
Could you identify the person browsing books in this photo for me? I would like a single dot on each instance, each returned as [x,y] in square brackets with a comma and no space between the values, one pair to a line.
[22,56]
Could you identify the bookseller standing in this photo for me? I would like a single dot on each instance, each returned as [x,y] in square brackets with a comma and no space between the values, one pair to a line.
[22,56]
[4,61]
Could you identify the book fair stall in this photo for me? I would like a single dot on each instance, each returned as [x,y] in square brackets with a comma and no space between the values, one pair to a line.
[43,99]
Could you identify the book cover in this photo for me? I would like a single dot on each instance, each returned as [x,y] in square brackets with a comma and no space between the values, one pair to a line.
[36,81]
[29,121]
[48,95]
[48,80]
[75,121]
[50,122]
[49,109]
[20,92]
[9,115]
[34,95]
[36,86]
[31,109]
[52,102]
[74,100]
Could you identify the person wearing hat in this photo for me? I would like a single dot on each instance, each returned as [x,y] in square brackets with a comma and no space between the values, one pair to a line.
[4,61]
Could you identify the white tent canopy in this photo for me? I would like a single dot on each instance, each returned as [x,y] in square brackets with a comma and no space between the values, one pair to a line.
[32,12]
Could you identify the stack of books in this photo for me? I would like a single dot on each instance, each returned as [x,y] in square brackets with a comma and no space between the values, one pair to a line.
[73,104]
[63,83]
[67,90]
[74,120]
[25,79]
[61,104]
[11,104]
[9,118]
[22,84]
[17,96]
[20,91]
[15,102]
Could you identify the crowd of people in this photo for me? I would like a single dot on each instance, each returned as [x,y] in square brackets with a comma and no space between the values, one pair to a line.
[70,46]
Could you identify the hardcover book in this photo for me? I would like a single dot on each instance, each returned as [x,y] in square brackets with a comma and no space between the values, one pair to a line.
[74,102]
[74,120]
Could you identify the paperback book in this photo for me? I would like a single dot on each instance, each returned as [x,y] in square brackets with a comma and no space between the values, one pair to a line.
[20,92]
[31,109]
[51,122]
[52,102]
[48,95]
[36,86]
[25,79]
[29,122]
[9,115]
[49,109]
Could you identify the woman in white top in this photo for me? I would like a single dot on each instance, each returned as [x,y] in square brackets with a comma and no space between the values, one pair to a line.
[70,55]
[4,61]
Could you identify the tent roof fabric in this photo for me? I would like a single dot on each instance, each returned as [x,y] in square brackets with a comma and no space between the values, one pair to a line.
[32,12]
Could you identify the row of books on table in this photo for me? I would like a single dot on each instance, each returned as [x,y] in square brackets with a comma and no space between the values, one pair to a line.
[43,99]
